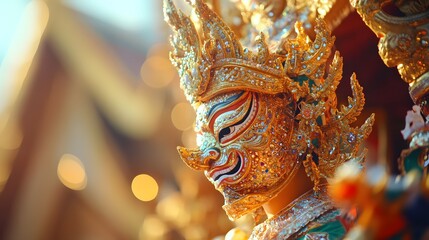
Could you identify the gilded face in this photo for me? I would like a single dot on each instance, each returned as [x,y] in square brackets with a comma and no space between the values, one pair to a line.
[244,146]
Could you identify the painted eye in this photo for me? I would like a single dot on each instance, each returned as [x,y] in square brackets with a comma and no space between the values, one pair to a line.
[224,132]
[230,133]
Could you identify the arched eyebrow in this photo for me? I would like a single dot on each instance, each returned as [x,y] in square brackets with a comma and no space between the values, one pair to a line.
[229,100]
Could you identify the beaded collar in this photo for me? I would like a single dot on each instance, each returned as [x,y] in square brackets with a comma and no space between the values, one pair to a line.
[295,216]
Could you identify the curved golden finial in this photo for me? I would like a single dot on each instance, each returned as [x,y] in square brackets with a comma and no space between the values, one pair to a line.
[404,41]
[186,56]
[227,43]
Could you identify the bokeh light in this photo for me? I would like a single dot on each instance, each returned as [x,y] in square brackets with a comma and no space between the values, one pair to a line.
[152,228]
[173,209]
[160,50]
[189,138]
[71,172]
[195,232]
[183,116]
[144,187]
[157,72]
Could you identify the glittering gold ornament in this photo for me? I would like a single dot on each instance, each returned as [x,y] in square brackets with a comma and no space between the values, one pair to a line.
[404,41]
[262,111]
[236,234]
[276,18]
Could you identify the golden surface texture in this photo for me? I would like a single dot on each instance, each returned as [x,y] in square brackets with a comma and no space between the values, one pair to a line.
[262,111]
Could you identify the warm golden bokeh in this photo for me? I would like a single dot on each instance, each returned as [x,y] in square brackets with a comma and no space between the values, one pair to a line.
[157,72]
[189,138]
[71,172]
[152,228]
[183,116]
[144,187]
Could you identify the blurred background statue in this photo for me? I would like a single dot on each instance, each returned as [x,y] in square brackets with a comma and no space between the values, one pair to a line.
[396,206]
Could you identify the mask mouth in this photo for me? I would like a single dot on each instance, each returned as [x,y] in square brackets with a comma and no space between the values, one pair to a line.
[218,175]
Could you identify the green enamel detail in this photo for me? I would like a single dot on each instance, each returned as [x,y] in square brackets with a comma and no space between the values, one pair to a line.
[315,143]
[335,230]
[303,78]
[411,161]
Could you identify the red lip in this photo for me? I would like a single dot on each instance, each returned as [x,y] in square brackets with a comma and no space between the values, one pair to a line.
[218,174]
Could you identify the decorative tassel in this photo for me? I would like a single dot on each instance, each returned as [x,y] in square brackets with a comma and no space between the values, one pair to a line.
[312,172]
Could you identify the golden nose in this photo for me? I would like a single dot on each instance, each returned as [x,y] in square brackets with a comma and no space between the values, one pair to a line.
[197,159]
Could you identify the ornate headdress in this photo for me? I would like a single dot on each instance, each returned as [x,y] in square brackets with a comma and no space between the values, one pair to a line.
[277,18]
[212,61]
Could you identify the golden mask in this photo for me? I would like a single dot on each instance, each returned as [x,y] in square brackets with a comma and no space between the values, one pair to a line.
[262,112]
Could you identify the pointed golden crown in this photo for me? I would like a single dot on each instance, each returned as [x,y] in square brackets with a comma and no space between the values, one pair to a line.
[215,61]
